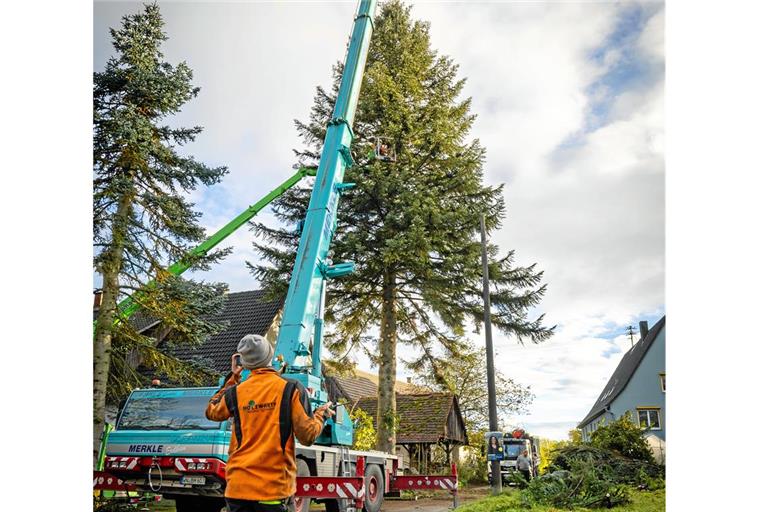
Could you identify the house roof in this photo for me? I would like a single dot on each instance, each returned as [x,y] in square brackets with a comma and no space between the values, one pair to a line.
[363,384]
[400,386]
[355,388]
[139,320]
[246,313]
[623,373]
[424,417]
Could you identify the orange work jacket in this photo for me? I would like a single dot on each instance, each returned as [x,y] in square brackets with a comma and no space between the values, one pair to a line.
[266,412]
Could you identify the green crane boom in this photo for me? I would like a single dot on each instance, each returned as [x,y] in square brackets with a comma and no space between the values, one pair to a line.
[130,304]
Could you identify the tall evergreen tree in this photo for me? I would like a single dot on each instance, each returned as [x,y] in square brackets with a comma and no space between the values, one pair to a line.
[411,225]
[141,220]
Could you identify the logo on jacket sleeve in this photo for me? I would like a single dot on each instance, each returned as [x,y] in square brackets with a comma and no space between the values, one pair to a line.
[254,407]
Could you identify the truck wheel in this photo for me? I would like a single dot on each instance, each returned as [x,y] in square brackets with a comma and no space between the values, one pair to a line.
[374,488]
[199,504]
[301,504]
[338,505]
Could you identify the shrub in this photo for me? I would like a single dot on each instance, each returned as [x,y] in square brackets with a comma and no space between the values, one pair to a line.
[547,449]
[365,433]
[624,437]
[473,468]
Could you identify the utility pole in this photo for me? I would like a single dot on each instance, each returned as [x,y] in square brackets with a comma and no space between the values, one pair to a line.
[493,420]
[631,334]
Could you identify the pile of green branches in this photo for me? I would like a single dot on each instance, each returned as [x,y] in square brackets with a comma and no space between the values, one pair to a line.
[610,465]
[582,486]
[590,477]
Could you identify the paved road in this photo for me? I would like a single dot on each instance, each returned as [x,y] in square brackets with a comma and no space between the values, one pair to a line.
[436,504]
[422,505]
[439,503]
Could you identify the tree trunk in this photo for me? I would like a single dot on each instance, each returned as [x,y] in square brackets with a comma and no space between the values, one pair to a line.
[387,408]
[102,339]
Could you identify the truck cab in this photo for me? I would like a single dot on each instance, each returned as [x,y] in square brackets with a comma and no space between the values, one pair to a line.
[163,444]
[514,444]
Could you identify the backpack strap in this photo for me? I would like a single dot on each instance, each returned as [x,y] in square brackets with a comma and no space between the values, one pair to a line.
[286,421]
[230,398]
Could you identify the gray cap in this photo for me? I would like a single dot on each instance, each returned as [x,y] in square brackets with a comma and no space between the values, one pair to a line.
[255,351]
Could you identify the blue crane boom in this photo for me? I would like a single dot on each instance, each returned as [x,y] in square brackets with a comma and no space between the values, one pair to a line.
[302,321]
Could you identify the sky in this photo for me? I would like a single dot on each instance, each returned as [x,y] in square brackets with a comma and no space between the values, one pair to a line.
[569,98]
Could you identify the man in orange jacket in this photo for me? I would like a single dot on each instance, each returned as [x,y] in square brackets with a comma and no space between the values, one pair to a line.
[266,411]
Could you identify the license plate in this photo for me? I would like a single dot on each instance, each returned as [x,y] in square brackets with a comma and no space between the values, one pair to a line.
[194,480]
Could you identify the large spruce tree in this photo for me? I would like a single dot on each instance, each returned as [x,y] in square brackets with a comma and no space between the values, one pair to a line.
[141,220]
[411,225]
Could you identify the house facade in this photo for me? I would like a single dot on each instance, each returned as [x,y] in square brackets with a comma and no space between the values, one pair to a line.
[637,387]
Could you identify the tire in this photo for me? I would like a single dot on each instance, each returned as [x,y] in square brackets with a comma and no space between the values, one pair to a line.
[301,504]
[338,505]
[374,488]
[199,504]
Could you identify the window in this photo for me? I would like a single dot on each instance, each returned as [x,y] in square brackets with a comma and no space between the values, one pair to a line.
[512,450]
[663,379]
[161,410]
[649,418]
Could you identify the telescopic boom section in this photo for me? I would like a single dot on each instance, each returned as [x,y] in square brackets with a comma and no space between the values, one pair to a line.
[303,313]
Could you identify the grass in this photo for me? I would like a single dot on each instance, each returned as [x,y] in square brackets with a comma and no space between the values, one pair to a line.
[509,501]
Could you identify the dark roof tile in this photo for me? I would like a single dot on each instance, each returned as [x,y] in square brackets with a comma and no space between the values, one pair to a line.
[354,388]
[245,313]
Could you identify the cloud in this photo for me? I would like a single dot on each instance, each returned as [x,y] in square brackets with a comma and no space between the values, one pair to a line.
[528,70]
[651,42]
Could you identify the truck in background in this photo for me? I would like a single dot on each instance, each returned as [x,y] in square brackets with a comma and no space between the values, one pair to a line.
[514,443]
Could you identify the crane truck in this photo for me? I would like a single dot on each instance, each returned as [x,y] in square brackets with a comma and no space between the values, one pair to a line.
[162,442]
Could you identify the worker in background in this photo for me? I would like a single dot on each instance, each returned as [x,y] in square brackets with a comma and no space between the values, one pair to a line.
[266,411]
[524,465]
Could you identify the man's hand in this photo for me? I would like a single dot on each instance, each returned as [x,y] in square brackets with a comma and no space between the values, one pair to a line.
[236,368]
[326,410]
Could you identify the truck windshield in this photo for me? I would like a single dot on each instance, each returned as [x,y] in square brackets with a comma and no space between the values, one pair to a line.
[167,410]
[511,451]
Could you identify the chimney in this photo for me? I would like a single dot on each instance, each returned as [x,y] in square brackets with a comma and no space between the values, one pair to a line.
[97,294]
[643,329]
[408,380]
